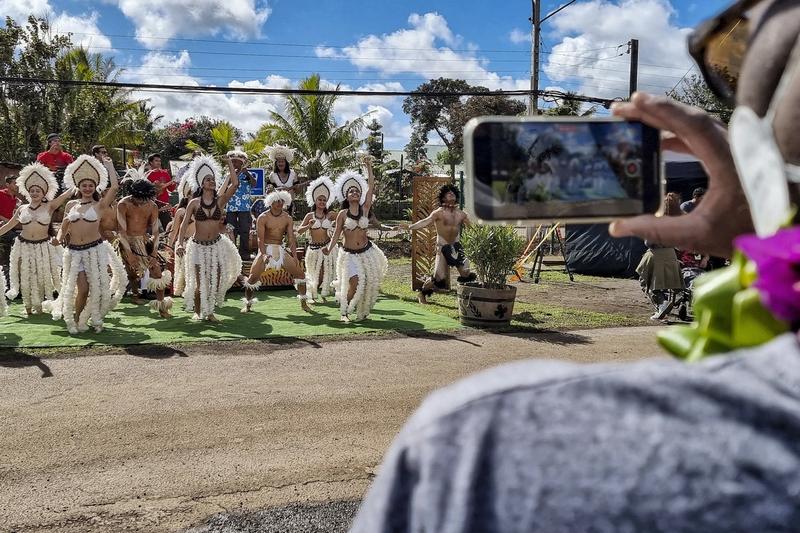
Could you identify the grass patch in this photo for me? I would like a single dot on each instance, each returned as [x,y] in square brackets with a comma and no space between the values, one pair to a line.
[527,315]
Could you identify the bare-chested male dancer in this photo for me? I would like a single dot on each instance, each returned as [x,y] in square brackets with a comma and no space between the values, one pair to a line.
[449,220]
[271,227]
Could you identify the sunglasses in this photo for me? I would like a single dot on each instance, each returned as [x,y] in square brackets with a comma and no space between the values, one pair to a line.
[719,45]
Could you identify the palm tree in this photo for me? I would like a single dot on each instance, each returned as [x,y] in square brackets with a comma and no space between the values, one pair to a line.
[568,106]
[224,138]
[308,126]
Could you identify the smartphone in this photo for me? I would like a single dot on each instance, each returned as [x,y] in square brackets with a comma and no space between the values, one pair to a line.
[569,169]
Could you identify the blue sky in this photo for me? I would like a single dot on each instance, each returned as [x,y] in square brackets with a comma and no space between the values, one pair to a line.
[382,45]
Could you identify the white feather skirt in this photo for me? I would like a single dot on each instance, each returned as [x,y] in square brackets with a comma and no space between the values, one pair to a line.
[218,266]
[370,267]
[107,283]
[320,268]
[35,271]
[3,303]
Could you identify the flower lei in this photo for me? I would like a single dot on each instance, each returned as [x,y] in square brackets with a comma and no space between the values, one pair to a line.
[746,304]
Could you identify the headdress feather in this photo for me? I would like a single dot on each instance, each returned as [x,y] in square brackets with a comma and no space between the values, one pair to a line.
[202,166]
[320,186]
[86,167]
[347,180]
[39,175]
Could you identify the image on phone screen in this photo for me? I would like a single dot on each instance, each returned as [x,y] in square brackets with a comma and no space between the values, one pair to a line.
[559,170]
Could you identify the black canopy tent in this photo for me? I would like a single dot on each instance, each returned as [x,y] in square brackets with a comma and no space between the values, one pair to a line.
[591,250]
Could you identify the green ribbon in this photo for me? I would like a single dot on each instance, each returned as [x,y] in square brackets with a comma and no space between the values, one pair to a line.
[728,315]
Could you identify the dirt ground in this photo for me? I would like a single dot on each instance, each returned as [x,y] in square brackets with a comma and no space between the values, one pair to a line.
[158,439]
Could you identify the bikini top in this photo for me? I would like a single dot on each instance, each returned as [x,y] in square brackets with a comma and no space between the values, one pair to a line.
[353,222]
[28,214]
[74,215]
[324,223]
[274,178]
[200,215]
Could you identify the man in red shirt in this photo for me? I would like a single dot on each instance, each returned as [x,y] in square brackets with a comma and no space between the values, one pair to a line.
[55,158]
[164,185]
[8,203]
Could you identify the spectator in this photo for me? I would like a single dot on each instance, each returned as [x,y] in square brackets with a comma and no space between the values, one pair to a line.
[689,205]
[164,185]
[55,158]
[659,270]
[238,209]
[658,445]
[9,200]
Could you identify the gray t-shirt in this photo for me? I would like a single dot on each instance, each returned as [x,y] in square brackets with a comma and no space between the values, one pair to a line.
[658,445]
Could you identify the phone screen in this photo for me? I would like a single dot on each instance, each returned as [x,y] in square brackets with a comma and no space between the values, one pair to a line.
[535,169]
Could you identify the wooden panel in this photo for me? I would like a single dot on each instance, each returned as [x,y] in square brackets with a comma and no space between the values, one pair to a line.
[423,242]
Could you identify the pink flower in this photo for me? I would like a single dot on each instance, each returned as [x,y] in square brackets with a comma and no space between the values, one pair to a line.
[777,260]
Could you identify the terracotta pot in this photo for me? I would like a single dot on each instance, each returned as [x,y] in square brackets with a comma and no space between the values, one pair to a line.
[485,308]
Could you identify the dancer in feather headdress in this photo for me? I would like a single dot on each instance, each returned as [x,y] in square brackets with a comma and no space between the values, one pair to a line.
[212,263]
[35,266]
[93,277]
[319,223]
[361,265]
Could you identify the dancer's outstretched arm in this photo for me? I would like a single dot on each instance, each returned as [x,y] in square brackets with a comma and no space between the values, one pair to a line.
[11,223]
[59,200]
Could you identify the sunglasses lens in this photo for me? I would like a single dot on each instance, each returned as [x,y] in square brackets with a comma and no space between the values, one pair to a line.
[724,54]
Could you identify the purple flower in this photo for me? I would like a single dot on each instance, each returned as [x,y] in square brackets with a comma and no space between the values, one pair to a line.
[777,260]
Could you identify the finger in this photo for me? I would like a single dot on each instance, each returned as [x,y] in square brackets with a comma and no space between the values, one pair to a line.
[682,232]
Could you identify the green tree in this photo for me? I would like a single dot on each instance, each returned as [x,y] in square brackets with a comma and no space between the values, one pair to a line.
[448,113]
[415,149]
[568,107]
[694,91]
[170,141]
[224,138]
[28,111]
[308,125]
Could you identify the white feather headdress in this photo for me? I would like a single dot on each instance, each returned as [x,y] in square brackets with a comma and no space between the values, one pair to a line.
[202,166]
[137,173]
[320,186]
[40,176]
[185,186]
[347,180]
[239,153]
[280,151]
[274,196]
[84,168]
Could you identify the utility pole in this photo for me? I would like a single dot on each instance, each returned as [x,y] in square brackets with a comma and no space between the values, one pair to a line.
[536,24]
[634,51]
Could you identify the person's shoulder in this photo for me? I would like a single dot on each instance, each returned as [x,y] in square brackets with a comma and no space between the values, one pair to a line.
[67,156]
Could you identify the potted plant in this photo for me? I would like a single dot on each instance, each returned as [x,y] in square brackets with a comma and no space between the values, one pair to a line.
[492,252]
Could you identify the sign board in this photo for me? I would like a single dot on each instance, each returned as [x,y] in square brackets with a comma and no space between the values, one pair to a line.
[258,190]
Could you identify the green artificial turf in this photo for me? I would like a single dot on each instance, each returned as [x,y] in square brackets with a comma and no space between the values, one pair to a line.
[276,315]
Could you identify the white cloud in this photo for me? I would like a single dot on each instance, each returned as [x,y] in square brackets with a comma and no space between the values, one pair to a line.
[249,111]
[84,29]
[245,111]
[424,49]
[156,21]
[20,9]
[587,27]
[518,36]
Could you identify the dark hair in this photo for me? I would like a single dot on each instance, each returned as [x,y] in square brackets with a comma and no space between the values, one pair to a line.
[275,167]
[11,177]
[142,190]
[51,137]
[153,156]
[96,148]
[700,191]
[446,189]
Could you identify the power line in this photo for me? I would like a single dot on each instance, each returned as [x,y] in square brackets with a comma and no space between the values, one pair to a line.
[287,92]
